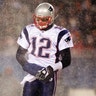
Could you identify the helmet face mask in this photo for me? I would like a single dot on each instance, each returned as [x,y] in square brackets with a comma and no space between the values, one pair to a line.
[44,15]
[42,22]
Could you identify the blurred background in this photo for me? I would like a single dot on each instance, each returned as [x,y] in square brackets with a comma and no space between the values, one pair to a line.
[79,16]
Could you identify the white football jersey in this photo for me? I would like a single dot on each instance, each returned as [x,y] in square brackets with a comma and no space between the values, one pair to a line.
[42,44]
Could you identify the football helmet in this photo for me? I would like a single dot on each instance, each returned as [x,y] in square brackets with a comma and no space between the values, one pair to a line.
[44,15]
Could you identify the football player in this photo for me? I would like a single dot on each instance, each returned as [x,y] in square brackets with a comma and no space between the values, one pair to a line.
[48,50]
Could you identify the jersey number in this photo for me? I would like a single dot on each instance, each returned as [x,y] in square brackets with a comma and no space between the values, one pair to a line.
[45,44]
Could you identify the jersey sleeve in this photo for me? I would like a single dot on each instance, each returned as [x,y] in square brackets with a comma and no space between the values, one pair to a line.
[23,39]
[65,40]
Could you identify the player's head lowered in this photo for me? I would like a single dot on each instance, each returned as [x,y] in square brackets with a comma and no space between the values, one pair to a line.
[44,15]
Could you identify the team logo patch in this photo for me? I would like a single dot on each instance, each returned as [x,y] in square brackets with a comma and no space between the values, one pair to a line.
[68,39]
[50,8]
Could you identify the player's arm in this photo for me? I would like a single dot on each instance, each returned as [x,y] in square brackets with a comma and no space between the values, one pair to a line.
[64,43]
[65,57]
[28,67]
[20,55]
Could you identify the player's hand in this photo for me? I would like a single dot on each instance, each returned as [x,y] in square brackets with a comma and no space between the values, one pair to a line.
[46,74]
